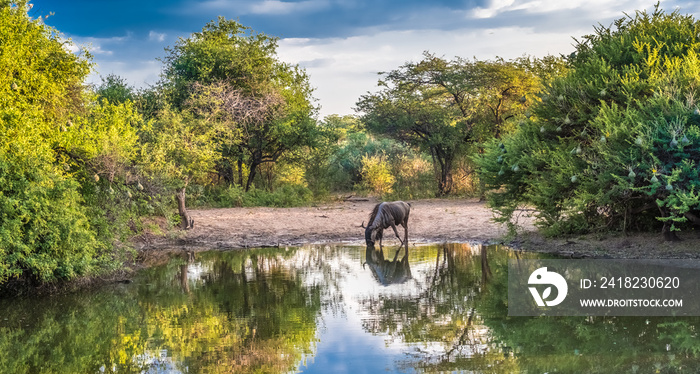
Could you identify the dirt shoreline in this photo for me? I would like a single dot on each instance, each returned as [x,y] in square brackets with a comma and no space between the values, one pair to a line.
[431,221]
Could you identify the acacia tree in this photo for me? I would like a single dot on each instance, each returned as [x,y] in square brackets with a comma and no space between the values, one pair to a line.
[445,107]
[229,75]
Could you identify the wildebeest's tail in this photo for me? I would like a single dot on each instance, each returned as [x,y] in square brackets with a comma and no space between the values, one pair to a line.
[373,215]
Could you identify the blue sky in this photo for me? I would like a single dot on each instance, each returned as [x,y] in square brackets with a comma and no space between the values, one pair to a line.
[342,44]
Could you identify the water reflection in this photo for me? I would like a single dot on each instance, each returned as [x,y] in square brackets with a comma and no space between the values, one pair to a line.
[328,309]
[387,272]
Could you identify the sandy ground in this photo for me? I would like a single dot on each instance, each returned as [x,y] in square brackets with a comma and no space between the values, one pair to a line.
[431,221]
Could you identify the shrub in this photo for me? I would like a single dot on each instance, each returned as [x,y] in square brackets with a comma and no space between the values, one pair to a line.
[414,178]
[45,232]
[283,196]
[376,176]
[614,143]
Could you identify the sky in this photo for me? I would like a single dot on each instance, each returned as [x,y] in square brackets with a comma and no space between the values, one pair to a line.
[342,44]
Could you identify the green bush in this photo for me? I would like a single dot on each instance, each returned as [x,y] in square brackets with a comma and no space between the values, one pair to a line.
[338,166]
[376,176]
[613,144]
[45,232]
[415,178]
[232,196]
[283,196]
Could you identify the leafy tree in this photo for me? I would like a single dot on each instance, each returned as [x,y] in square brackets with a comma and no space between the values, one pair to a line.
[224,51]
[115,89]
[230,75]
[257,129]
[613,142]
[317,162]
[445,106]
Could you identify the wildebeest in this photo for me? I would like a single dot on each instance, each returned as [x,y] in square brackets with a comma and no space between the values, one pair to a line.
[385,215]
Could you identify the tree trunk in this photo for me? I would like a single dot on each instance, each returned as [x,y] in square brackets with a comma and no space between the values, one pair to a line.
[669,235]
[486,273]
[240,170]
[187,221]
[442,165]
[445,183]
[251,175]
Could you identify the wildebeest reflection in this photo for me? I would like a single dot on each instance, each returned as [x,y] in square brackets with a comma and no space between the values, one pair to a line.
[384,271]
[385,215]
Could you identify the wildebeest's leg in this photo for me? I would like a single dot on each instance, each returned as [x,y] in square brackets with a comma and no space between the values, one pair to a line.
[393,226]
[405,227]
[396,255]
[405,233]
[380,233]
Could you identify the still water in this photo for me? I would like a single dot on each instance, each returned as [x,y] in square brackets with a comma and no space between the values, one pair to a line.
[329,309]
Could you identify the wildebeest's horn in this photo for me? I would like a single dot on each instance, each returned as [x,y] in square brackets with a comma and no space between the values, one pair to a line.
[363,225]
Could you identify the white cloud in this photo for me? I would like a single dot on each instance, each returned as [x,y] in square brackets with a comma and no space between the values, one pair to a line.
[137,73]
[156,36]
[99,46]
[343,69]
[284,7]
[494,7]
[602,8]
[260,7]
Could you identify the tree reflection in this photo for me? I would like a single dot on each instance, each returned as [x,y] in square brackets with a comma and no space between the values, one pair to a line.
[258,311]
[206,316]
[459,322]
[444,309]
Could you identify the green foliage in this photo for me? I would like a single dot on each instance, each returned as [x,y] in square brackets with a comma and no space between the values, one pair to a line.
[268,326]
[224,50]
[230,77]
[345,164]
[115,89]
[376,176]
[335,165]
[66,159]
[178,148]
[45,233]
[414,177]
[324,171]
[44,230]
[613,143]
[287,195]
